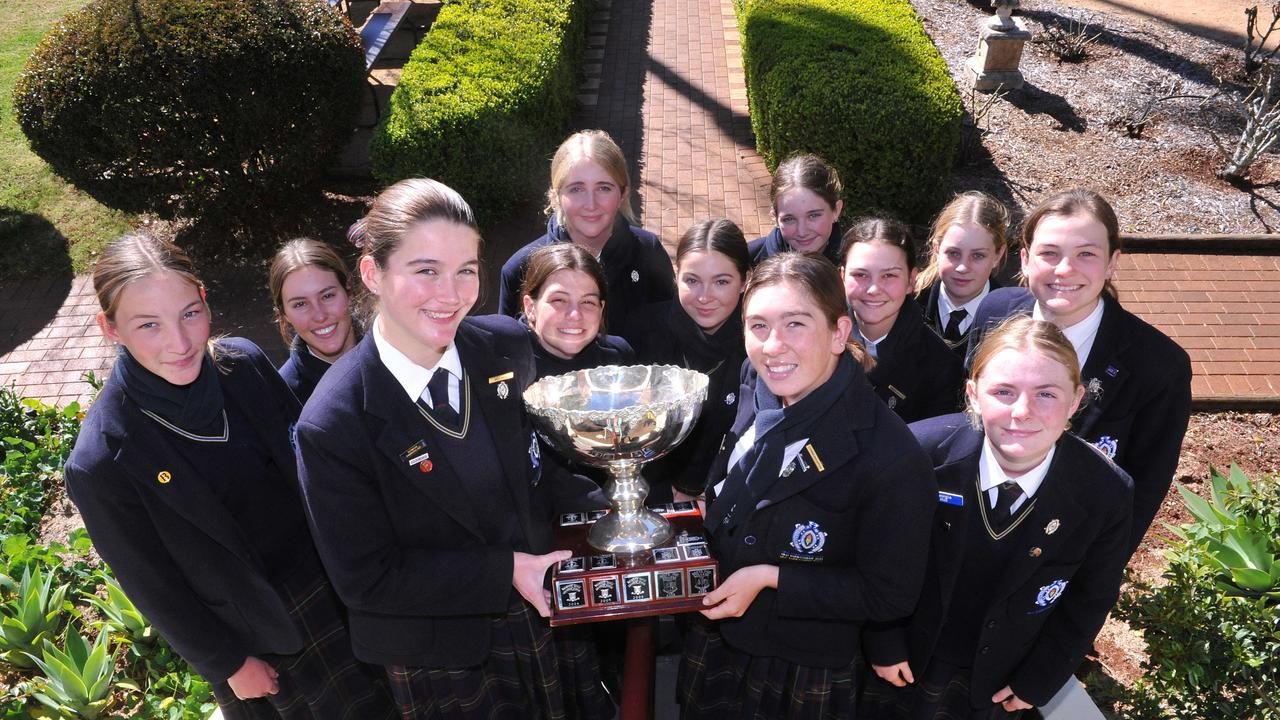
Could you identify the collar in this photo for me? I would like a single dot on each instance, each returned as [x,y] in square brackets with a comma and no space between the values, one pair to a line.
[990,474]
[870,345]
[1083,333]
[412,376]
[945,306]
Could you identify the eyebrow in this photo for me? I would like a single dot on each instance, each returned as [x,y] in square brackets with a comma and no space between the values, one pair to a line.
[787,314]
[433,261]
[143,316]
[304,297]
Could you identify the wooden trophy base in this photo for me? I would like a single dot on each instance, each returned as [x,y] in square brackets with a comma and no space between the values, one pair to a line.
[594,585]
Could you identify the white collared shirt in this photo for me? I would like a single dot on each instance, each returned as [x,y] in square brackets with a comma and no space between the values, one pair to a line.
[870,345]
[990,476]
[748,439]
[945,307]
[1083,333]
[412,376]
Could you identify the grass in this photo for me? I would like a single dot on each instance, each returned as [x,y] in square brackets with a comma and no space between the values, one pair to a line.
[46,225]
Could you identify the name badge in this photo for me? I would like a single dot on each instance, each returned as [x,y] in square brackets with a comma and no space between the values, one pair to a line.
[951,498]
[415,453]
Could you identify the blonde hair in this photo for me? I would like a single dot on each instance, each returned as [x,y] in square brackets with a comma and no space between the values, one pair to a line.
[969,208]
[295,255]
[1025,334]
[599,148]
[132,257]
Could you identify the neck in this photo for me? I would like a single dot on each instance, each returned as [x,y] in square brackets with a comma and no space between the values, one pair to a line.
[422,354]
[878,330]
[593,244]
[956,302]
[1070,320]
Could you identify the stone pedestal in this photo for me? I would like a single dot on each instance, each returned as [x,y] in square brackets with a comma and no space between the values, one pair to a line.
[995,64]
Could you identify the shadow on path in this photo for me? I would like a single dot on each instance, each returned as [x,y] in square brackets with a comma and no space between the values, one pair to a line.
[28,305]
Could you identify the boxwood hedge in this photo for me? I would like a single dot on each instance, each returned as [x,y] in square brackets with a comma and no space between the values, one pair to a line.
[859,83]
[484,98]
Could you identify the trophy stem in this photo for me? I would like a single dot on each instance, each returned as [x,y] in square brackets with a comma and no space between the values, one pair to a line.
[631,527]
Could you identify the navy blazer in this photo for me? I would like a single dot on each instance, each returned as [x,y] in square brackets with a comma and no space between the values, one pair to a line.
[302,371]
[177,552]
[1076,533]
[928,300]
[865,491]
[769,245]
[916,374]
[636,266]
[405,548]
[1138,398]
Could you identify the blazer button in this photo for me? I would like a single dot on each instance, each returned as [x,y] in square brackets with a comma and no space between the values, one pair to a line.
[991,623]
[946,525]
[985,649]
[749,540]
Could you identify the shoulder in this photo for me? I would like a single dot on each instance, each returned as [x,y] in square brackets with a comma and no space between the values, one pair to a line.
[342,386]
[757,250]
[520,257]
[618,346]
[1005,301]
[1087,466]
[938,435]
[1147,343]
[650,244]
[106,419]
[501,329]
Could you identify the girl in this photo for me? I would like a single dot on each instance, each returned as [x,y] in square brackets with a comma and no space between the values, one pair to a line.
[186,480]
[590,205]
[309,287]
[818,510]
[1138,381]
[966,246]
[805,194]
[703,332]
[1028,547]
[916,374]
[563,298]
[429,497]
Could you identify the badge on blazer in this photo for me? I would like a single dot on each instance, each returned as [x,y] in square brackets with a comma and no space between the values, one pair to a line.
[1052,527]
[1112,370]
[808,538]
[1094,388]
[293,435]
[163,477]
[503,391]
[635,276]
[1050,593]
[535,453]
[1107,445]
[500,378]
[730,398]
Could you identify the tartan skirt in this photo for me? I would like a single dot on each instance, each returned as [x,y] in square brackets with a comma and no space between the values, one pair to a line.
[323,680]
[941,694]
[529,674]
[717,681]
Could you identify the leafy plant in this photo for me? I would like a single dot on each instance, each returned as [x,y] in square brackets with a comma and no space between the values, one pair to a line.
[36,439]
[77,681]
[33,614]
[177,695]
[1070,41]
[119,613]
[1241,546]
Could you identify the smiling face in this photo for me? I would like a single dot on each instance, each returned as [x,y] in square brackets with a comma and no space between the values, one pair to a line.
[317,307]
[163,321]
[967,256]
[566,316]
[805,219]
[876,282]
[709,285]
[589,201]
[428,285]
[1067,266]
[1025,400]
[790,343]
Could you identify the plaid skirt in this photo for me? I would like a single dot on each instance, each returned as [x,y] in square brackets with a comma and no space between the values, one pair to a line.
[323,680]
[941,694]
[529,674]
[717,681]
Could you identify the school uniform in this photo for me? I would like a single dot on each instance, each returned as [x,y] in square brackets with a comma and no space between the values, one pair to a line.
[417,518]
[930,300]
[302,371]
[1137,396]
[836,493]
[916,374]
[665,335]
[190,496]
[1012,604]
[604,350]
[636,266]
[769,245]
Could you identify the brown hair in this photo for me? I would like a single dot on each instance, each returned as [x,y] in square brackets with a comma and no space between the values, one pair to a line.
[817,278]
[599,148]
[883,231]
[549,259]
[722,236]
[294,255]
[807,172]
[1077,201]
[132,257]
[1026,334]
[968,208]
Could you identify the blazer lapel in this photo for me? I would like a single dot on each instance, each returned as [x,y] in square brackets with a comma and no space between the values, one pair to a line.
[268,420]
[957,475]
[1104,372]
[1051,524]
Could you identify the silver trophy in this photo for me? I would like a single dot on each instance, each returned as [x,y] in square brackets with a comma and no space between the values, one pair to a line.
[619,418]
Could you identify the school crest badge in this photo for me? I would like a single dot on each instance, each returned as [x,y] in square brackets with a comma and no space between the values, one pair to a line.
[502,391]
[535,452]
[1107,445]
[1050,593]
[730,398]
[808,538]
[635,276]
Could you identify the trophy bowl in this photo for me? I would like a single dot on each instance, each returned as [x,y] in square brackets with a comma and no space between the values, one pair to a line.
[619,418]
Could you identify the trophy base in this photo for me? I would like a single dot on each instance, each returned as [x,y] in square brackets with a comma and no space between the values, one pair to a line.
[670,578]
[617,533]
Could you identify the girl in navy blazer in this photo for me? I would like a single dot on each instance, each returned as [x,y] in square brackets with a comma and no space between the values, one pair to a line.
[818,510]
[805,194]
[185,477]
[564,306]
[966,246]
[1138,382]
[1029,543]
[916,374]
[590,205]
[703,332]
[430,498]
[310,288]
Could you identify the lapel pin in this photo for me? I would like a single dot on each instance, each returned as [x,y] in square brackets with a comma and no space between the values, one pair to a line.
[425,466]
[814,455]
[500,378]
[502,391]
[1035,552]
[163,477]
[1052,527]
[1112,370]
[635,276]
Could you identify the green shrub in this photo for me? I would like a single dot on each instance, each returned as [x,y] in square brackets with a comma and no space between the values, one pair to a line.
[860,84]
[191,107]
[484,99]
[36,440]
[1213,627]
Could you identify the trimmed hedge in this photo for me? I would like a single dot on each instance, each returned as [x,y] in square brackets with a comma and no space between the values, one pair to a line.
[187,107]
[859,83]
[484,99]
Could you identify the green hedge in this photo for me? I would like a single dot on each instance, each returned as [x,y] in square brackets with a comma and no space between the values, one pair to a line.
[859,83]
[484,99]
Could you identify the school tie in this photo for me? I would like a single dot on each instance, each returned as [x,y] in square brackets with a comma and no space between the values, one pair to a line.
[952,333]
[441,410]
[1007,494]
